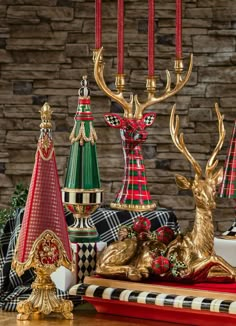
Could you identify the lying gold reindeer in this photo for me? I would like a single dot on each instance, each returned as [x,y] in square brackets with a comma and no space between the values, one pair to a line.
[131,259]
[196,248]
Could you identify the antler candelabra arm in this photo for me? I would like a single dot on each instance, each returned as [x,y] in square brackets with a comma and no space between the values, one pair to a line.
[120,84]
[151,87]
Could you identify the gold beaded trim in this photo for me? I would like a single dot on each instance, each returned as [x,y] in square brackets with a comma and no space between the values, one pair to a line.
[82,136]
[136,208]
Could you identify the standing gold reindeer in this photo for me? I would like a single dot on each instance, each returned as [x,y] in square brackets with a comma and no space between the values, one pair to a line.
[196,248]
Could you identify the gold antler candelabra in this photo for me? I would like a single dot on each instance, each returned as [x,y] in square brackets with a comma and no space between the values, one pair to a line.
[152,98]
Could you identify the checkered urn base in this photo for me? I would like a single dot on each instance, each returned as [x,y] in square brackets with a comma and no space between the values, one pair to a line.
[85,259]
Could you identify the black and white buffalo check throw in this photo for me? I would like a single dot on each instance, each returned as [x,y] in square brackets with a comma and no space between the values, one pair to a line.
[231,231]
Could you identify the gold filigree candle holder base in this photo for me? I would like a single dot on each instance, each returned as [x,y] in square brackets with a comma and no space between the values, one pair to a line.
[43,299]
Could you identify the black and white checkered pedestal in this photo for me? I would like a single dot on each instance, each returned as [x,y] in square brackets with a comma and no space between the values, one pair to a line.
[85,263]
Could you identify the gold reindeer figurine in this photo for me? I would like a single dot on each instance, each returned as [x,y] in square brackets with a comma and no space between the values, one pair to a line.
[130,258]
[196,248]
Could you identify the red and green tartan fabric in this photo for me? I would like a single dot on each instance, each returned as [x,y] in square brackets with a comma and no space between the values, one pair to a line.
[133,190]
[228,185]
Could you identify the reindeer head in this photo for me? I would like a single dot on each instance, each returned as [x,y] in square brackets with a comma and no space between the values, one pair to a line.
[204,189]
[133,130]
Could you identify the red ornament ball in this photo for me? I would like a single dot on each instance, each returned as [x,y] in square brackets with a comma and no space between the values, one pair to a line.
[160,265]
[141,224]
[165,234]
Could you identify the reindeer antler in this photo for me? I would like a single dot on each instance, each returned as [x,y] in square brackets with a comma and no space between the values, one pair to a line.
[212,163]
[179,141]
[151,87]
[118,97]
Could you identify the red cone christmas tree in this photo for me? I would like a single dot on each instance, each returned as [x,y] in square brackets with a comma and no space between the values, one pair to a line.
[43,241]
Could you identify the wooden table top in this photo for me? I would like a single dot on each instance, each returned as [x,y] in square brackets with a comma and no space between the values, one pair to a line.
[84,315]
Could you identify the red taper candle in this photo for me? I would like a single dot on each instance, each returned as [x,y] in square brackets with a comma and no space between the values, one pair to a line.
[178,35]
[120,37]
[98,24]
[151,31]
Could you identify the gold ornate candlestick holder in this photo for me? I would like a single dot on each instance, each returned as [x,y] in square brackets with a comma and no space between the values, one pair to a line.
[133,194]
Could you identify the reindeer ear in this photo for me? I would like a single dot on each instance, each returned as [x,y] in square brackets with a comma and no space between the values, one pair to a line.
[218,176]
[149,118]
[113,120]
[182,182]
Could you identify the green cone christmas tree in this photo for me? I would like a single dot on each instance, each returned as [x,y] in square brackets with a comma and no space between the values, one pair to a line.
[82,193]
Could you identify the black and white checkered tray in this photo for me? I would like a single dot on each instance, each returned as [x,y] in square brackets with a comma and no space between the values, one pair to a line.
[153,298]
[186,307]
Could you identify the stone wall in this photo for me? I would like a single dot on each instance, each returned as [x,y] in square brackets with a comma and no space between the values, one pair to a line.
[45,48]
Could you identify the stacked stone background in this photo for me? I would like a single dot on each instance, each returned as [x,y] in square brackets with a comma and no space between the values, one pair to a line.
[45,48]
